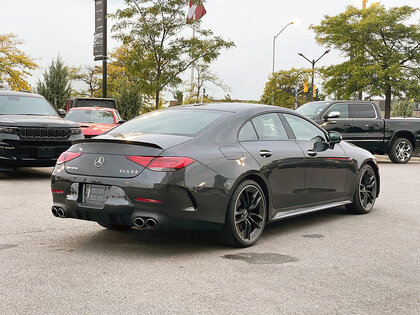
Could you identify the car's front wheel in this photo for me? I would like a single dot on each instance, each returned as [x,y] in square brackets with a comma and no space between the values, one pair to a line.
[246,215]
[401,150]
[366,191]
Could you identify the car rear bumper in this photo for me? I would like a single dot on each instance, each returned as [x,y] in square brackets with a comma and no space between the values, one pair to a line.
[161,196]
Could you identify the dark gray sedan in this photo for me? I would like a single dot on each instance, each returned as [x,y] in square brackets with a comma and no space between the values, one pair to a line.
[226,167]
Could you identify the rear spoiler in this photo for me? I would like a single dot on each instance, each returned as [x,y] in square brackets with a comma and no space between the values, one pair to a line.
[144,144]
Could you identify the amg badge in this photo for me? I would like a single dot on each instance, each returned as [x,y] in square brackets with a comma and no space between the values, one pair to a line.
[129,171]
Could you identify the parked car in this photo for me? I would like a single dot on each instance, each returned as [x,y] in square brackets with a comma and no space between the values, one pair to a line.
[94,121]
[361,123]
[32,133]
[226,167]
[90,102]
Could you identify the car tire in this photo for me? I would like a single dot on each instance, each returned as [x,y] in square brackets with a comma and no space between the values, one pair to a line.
[366,191]
[401,151]
[115,227]
[245,216]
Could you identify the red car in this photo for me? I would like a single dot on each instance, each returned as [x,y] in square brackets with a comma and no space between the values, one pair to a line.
[94,121]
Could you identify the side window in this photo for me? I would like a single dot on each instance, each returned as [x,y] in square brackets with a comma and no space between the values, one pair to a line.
[362,111]
[303,129]
[247,133]
[343,109]
[269,127]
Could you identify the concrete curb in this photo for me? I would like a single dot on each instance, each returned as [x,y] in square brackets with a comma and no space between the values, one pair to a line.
[386,158]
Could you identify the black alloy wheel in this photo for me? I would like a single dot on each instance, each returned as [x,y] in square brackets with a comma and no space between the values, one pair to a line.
[246,215]
[366,191]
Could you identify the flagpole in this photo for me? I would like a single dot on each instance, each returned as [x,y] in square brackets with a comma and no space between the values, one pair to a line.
[192,64]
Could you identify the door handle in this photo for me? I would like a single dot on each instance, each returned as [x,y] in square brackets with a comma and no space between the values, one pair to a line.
[266,153]
[312,153]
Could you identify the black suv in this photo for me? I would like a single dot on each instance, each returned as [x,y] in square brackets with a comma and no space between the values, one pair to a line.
[32,133]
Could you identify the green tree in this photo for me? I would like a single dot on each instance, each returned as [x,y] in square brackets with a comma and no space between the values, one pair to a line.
[158,49]
[179,97]
[15,65]
[129,101]
[383,52]
[281,87]
[203,79]
[402,108]
[90,76]
[56,87]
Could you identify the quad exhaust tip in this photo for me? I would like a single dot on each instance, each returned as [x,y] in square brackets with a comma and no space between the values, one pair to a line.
[151,223]
[61,213]
[58,212]
[140,222]
[54,211]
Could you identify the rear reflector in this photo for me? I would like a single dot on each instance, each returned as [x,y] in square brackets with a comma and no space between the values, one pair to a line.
[162,164]
[148,200]
[55,191]
[67,156]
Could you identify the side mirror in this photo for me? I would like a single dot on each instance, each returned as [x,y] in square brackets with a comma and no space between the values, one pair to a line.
[332,115]
[335,137]
[61,112]
[121,122]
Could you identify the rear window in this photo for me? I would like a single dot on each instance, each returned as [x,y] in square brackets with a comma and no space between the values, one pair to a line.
[362,111]
[95,116]
[96,103]
[173,122]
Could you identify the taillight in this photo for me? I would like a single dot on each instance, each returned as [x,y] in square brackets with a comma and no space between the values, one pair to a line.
[141,160]
[67,156]
[162,164]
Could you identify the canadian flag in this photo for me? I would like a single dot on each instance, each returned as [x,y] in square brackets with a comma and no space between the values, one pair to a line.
[196,11]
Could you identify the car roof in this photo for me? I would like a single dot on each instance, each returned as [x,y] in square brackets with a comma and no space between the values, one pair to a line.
[232,107]
[343,101]
[93,108]
[15,93]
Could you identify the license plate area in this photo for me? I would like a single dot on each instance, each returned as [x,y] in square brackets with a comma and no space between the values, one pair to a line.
[94,193]
[46,152]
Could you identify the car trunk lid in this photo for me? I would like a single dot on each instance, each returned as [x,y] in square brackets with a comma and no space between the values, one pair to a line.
[106,156]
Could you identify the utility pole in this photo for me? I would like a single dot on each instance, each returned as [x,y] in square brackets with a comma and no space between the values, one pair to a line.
[313,62]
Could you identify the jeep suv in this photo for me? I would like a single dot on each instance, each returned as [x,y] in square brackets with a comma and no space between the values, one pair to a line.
[32,133]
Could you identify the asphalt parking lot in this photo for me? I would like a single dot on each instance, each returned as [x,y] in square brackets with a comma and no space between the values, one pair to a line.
[327,262]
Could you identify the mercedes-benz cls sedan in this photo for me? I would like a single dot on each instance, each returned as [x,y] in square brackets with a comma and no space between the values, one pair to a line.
[226,167]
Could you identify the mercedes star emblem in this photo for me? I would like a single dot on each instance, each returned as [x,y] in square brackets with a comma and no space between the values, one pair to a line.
[99,161]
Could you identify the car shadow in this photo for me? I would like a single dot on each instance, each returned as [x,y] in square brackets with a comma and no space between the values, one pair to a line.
[26,173]
[168,243]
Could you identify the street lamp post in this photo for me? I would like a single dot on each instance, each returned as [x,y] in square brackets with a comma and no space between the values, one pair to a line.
[274,51]
[274,43]
[313,62]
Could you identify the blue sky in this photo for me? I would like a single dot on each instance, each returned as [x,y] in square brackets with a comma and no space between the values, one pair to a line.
[65,27]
